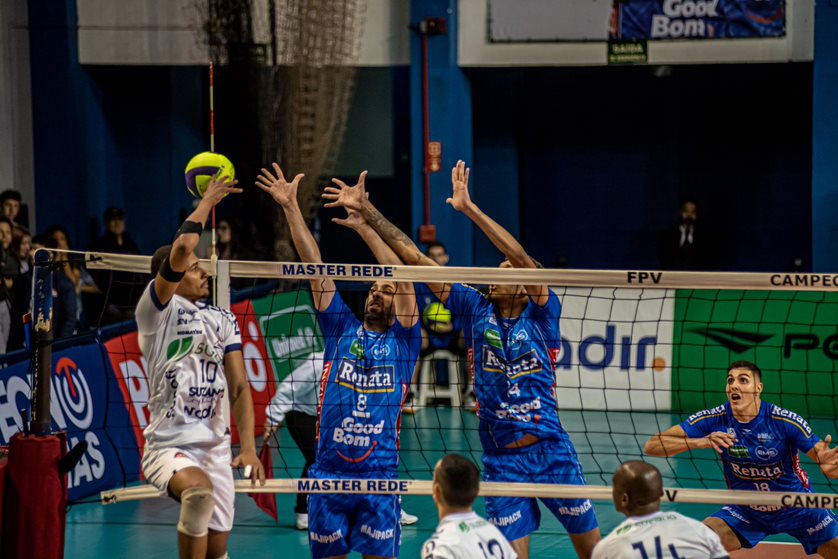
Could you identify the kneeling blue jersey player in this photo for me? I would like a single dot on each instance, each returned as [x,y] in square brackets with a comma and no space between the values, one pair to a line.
[366,375]
[512,336]
[758,444]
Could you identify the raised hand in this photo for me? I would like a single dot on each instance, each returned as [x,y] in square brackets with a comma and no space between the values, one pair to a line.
[282,191]
[460,199]
[827,456]
[350,197]
[353,220]
[218,188]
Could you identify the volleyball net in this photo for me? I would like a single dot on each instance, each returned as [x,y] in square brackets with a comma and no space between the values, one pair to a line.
[637,352]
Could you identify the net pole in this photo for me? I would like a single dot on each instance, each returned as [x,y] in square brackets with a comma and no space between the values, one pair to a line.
[42,326]
[214,255]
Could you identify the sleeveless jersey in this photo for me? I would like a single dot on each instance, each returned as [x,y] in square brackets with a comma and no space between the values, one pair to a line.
[366,376]
[765,455]
[513,364]
[663,535]
[464,536]
[184,344]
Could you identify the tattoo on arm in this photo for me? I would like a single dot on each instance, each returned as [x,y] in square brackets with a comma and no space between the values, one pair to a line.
[393,236]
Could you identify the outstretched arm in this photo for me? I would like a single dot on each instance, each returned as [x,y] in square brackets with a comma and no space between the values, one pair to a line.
[825,457]
[674,441]
[355,198]
[502,239]
[166,282]
[285,194]
[405,299]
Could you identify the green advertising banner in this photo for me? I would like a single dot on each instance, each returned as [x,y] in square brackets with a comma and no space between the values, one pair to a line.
[288,323]
[791,336]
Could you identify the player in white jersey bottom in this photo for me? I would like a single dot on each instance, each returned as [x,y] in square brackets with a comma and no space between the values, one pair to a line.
[648,532]
[461,533]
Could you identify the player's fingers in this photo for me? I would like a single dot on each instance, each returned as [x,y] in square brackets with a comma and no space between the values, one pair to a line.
[334,204]
[454,173]
[298,178]
[362,177]
[263,187]
[449,201]
[262,475]
[267,176]
[279,174]
[331,190]
[340,183]
[827,439]
[467,173]
[236,461]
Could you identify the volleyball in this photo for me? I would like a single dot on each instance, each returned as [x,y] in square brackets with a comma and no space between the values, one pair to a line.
[436,313]
[203,167]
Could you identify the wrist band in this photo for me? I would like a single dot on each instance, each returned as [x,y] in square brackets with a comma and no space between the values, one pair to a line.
[168,274]
[189,227]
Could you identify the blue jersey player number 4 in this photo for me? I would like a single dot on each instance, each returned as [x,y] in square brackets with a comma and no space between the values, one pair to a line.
[759,444]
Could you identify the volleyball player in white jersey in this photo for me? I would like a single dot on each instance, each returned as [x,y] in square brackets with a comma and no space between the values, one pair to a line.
[194,362]
[461,533]
[647,532]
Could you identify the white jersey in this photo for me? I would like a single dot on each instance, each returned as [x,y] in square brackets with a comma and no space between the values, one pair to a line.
[184,344]
[299,391]
[665,535]
[464,536]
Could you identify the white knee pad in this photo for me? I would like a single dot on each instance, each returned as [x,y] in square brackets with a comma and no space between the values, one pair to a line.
[196,504]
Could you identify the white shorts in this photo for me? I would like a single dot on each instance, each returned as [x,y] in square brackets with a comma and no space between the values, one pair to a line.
[160,465]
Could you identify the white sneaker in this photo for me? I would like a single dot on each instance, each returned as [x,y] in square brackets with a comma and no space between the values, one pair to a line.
[408,519]
[302,520]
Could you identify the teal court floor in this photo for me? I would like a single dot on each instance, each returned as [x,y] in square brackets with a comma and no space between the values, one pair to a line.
[146,529]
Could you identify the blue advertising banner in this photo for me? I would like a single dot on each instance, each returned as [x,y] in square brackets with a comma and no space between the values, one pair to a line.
[86,403]
[635,20]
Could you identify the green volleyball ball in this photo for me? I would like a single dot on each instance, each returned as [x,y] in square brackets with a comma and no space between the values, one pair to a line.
[205,166]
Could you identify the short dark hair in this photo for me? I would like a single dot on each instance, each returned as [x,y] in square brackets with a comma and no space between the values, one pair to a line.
[459,480]
[4,219]
[157,259]
[10,194]
[44,241]
[53,229]
[435,244]
[746,365]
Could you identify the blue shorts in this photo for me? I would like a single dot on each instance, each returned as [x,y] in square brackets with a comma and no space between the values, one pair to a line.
[811,527]
[544,462]
[338,524]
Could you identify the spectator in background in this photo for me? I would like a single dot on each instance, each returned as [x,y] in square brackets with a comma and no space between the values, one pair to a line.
[9,271]
[21,293]
[685,245]
[444,334]
[121,290]
[72,266]
[11,204]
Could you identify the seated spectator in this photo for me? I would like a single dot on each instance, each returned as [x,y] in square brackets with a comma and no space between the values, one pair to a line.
[72,266]
[12,207]
[21,293]
[121,290]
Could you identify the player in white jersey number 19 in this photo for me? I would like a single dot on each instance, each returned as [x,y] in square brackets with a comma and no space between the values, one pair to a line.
[648,533]
[462,534]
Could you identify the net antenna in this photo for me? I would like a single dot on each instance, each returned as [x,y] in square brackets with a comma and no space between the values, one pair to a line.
[214,254]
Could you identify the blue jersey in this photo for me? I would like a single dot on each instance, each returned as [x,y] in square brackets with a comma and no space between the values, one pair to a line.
[765,455]
[365,378]
[512,361]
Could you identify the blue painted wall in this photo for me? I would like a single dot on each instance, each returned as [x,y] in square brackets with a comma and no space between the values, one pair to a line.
[109,136]
[825,139]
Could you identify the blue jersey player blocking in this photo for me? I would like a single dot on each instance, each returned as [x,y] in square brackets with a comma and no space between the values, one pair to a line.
[513,336]
[759,445]
[366,375]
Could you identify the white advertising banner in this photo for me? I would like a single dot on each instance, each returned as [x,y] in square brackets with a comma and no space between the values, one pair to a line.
[616,349]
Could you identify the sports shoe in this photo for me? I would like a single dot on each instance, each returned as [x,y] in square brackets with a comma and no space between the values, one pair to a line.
[470,402]
[302,520]
[408,519]
[408,404]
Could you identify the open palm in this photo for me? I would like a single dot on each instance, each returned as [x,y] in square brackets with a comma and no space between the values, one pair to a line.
[460,199]
[284,192]
[350,197]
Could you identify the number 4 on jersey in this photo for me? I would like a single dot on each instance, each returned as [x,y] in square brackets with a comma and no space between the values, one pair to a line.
[639,546]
